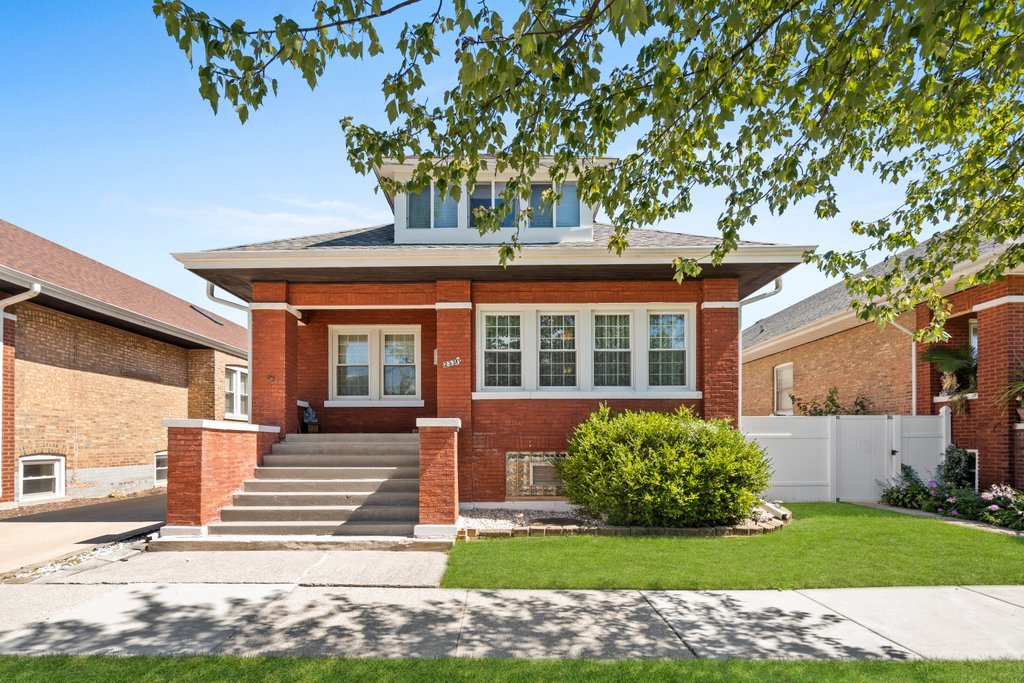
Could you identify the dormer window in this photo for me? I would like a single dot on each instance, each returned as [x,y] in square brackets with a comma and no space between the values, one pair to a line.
[564,214]
[486,196]
[428,210]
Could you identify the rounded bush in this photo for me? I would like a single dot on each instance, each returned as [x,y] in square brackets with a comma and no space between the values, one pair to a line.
[662,469]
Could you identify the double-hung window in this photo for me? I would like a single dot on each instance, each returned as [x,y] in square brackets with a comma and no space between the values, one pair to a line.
[40,477]
[557,349]
[236,393]
[160,467]
[428,209]
[374,365]
[666,351]
[613,355]
[503,354]
[488,196]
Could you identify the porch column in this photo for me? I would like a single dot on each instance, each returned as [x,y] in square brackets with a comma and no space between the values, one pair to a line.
[439,477]
[719,341]
[272,362]
[455,367]
[1000,347]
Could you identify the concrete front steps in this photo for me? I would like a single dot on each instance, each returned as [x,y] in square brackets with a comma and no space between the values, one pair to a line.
[317,485]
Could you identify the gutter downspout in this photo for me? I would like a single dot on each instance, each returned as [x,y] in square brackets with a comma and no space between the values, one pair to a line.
[745,302]
[211,295]
[32,292]
[913,366]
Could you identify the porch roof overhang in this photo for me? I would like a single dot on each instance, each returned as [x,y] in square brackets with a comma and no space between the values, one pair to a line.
[754,266]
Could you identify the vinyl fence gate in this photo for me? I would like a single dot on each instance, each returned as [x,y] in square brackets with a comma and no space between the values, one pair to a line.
[846,457]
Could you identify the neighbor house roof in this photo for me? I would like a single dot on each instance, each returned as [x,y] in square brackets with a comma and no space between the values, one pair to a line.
[371,255]
[829,303]
[80,285]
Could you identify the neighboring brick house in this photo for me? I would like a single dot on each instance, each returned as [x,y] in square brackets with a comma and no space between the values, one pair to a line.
[415,326]
[92,361]
[819,343]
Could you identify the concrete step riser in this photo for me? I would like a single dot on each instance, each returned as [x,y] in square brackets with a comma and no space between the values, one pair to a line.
[346,449]
[312,514]
[311,529]
[366,486]
[337,472]
[295,499]
[341,461]
[406,437]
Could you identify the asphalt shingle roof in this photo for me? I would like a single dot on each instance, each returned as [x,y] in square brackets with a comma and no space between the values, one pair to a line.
[826,303]
[50,263]
[383,236]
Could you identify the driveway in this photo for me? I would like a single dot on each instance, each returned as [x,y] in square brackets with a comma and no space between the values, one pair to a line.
[34,539]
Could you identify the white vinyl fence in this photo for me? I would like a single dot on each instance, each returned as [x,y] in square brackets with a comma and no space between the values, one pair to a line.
[846,457]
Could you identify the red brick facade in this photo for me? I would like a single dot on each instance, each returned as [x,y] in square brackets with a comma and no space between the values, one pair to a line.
[7,413]
[290,361]
[439,475]
[205,467]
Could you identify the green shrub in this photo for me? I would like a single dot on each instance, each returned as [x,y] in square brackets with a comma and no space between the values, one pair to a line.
[658,469]
[956,468]
[906,491]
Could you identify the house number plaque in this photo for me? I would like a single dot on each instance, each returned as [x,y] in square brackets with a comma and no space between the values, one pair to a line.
[452,363]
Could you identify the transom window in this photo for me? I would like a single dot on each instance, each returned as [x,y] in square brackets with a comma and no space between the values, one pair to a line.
[160,467]
[557,350]
[503,356]
[613,357]
[666,350]
[427,209]
[784,389]
[236,392]
[606,349]
[375,364]
[40,477]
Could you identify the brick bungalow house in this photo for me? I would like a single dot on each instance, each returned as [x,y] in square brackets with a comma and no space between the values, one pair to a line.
[819,343]
[439,376]
[92,361]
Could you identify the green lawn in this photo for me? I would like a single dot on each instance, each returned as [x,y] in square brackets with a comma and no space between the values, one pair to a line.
[206,669]
[828,545]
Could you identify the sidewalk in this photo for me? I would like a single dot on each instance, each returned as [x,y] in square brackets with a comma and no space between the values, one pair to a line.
[290,603]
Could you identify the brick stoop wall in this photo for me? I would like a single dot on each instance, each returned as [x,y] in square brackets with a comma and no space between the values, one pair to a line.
[439,475]
[206,463]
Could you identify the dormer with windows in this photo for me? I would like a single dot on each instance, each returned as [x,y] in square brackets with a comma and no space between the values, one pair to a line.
[427,218]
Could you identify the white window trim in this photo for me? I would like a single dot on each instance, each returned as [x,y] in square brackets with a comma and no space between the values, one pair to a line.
[530,318]
[577,335]
[554,207]
[376,397]
[229,411]
[775,390]
[59,473]
[972,333]
[157,481]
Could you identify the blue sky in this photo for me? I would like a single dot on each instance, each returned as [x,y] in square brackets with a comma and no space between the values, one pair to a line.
[106,148]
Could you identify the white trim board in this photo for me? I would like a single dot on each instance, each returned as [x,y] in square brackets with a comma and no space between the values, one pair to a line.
[1001,301]
[220,425]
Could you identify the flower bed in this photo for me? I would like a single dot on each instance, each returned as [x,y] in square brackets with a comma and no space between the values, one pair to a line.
[950,495]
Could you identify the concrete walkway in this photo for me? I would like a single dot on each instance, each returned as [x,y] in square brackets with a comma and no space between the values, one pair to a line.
[33,539]
[292,603]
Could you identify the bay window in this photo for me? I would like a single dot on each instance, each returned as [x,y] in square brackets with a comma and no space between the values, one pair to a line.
[374,366]
[236,393]
[586,350]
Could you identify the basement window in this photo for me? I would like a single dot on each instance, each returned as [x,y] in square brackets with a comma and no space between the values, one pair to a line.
[40,477]
[160,468]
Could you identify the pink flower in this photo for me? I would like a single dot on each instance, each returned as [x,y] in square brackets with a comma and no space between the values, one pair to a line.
[987,496]
[951,499]
[954,513]
[939,510]
[993,508]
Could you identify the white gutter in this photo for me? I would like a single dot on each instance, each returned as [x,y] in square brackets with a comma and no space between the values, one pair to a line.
[913,365]
[747,302]
[212,296]
[33,291]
